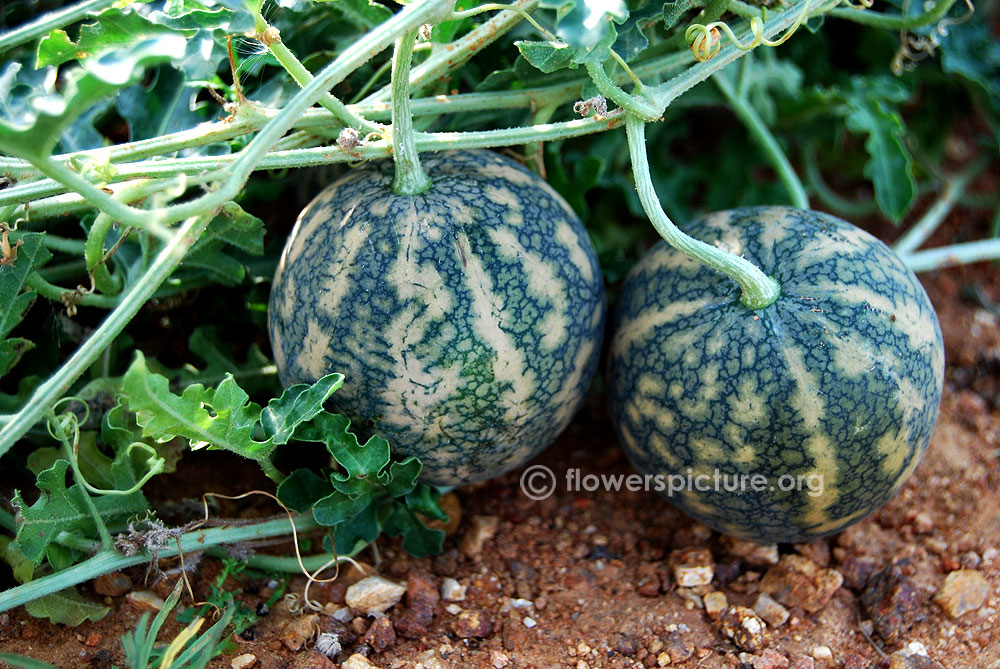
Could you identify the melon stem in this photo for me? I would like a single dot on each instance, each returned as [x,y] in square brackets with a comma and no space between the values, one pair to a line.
[759,290]
[410,176]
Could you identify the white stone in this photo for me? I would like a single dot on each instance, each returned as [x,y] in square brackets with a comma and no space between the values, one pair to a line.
[452,590]
[373,594]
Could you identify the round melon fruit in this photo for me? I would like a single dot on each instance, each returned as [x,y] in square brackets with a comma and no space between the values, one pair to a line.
[467,319]
[788,422]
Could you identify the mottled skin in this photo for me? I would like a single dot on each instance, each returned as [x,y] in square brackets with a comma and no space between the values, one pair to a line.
[841,377]
[467,319]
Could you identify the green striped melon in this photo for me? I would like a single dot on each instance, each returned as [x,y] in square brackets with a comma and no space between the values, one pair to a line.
[828,396]
[467,319]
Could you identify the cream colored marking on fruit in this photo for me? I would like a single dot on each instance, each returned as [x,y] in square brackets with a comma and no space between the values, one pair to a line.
[505,197]
[749,356]
[710,388]
[568,398]
[893,449]
[660,446]
[745,407]
[845,243]
[826,524]
[709,450]
[287,305]
[489,318]
[414,390]
[811,407]
[652,264]
[306,227]
[744,454]
[770,236]
[380,207]
[638,329]
[506,173]
[315,346]
[852,355]
[909,318]
[578,257]
[696,502]
[543,283]
[513,218]
[665,419]
[335,285]
[554,327]
[596,315]
[650,385]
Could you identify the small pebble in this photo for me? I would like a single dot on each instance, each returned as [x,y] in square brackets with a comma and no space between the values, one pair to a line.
[772,612]
[798,581]
[453,609]
[822,653]
[804,663]
[243,661]
[297,632]
[963,590]
[452,590]
[759,555]
[529,622]
[499,659]
[357,661]
[480,530]
[744,627]
[380,634]
[472,624]
[715,603]
[693,567]
[769,659]
[663,659]
[373,594]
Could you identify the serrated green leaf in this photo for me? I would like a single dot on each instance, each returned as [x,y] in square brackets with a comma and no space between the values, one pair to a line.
[13,303]
[424,499]
[223,418]
[340,506]
[298,404]
[232,227]
[59,509]
[889,165]
[403,477]
[302,489]
[418,539]
[66,607]
[547,56]
[362,529]
[632,40]
[333,431]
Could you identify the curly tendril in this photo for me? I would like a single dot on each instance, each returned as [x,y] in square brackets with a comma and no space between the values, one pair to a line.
[915,48]
[705,41]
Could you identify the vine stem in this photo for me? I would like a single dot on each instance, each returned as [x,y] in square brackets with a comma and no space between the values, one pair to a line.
[952,189]
[759,290]
[302,77]
[50,21]
[57,384]
[956,254]
[895,22]
[109,560]
[460,51]
[58,430]
[765,138]
[633,104]
[410,176]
